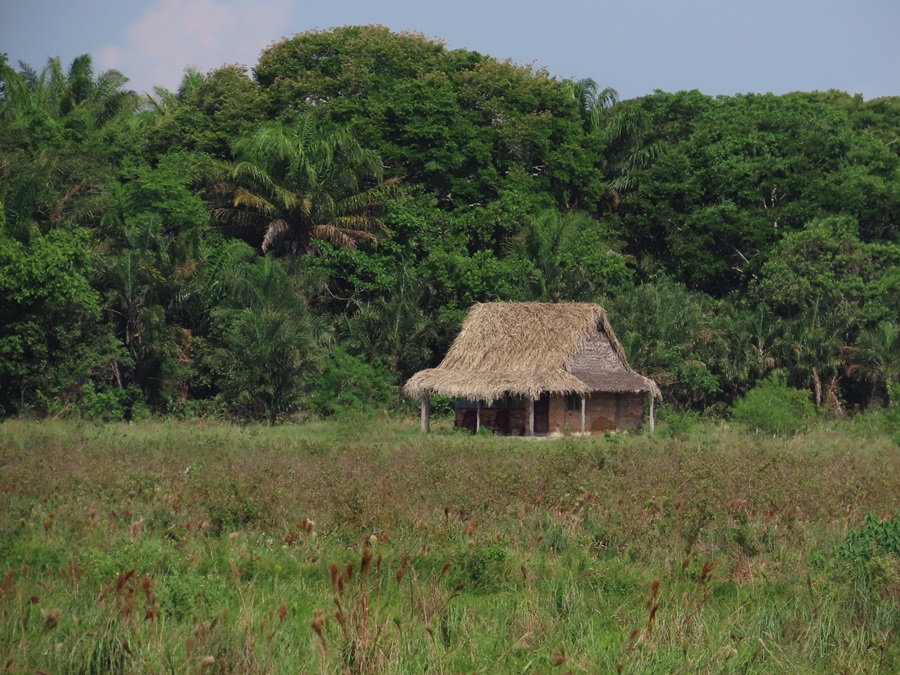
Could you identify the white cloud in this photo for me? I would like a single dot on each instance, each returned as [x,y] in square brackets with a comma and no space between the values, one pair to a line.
[175,34]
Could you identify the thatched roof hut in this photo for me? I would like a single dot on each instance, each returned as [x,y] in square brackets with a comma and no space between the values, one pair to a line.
[529,349]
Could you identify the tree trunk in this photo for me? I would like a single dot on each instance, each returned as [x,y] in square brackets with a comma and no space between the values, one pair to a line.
[831,398]
[817,386]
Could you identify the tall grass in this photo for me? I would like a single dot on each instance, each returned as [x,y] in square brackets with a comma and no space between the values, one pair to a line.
[367,548]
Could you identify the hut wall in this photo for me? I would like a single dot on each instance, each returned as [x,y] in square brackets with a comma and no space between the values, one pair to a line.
[502,421]
[631,411]
[602,411]
[558,416]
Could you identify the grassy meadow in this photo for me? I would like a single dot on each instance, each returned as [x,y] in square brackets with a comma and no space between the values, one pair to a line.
[363,547]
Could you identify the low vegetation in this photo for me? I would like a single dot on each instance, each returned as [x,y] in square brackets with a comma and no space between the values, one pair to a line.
[364,547]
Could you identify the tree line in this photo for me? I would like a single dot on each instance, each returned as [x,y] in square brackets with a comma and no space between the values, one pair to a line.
[300,239]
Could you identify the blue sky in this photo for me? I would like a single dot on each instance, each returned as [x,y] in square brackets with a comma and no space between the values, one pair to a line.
[716,46]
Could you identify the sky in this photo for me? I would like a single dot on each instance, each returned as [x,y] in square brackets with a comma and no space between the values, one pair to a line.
[720,47]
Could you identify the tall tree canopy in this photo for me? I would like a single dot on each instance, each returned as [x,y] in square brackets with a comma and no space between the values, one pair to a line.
[306,236]
[454,121]
[738,172]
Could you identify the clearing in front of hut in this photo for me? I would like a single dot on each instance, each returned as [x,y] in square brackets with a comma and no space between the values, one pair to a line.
[191,547]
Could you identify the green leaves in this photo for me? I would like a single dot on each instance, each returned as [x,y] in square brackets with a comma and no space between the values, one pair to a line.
[774,408]
[294,184]
[455,122]
[574,257]
[878,357]
[51,336]
[739,172]
[266,342]
[762,231]
[875,537]
[351,385]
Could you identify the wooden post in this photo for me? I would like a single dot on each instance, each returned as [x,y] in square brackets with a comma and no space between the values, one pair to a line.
[651,412]
[529,431]
[583,406]
[478,416]
[426,414]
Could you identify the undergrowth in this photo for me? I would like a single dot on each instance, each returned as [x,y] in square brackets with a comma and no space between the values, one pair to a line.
[366,548]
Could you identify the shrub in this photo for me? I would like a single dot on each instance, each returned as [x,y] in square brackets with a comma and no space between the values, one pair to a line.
[774,408]
[678,422]
[116,403]
[349,384]
[875,537]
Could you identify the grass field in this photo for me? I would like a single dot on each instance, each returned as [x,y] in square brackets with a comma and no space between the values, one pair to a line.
[366,548]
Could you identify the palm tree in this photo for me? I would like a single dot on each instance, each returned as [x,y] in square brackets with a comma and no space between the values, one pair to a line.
[626,147]
[814,344]
[268,341]
[746,340]
[543,242]
[55,93]
[878,357]
[394,326]
[670,335]
[572,255]
[56,174]
[163,101]
[592,101]
[622,130]
[295,184]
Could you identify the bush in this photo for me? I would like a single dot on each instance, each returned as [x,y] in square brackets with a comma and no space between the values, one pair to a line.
[875,537]
[112,404]
[349,384]
[774,408]
[677,422]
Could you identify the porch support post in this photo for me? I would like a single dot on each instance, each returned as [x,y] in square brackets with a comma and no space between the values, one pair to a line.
[426,414]
[529,430]
[478,416]
[583,406]
[652,425]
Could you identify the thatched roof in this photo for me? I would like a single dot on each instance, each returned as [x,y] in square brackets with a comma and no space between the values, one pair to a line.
[527,348]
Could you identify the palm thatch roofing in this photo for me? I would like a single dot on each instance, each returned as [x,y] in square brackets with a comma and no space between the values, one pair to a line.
[528,348]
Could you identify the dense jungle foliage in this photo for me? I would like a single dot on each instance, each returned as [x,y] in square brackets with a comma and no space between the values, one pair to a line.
[300,239]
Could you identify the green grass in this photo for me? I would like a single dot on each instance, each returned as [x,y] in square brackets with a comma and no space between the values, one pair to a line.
[364,547]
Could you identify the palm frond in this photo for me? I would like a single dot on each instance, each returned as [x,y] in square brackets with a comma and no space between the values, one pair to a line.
[359,222]
[243,197]
[248,171]
[240,218]
[80,85]
[29,74]
[109,83]
[339,236]
[275,232]
[293,201]
[161,100]
[191,81]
